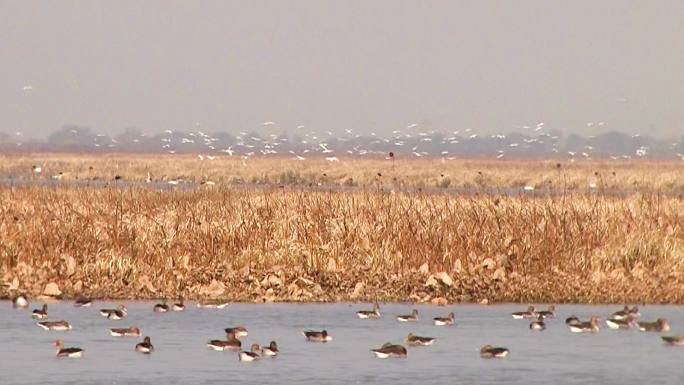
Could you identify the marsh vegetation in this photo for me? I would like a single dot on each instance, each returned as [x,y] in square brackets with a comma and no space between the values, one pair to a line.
[294,245]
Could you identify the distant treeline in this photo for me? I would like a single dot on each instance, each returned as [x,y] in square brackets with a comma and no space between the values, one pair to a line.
[513,145]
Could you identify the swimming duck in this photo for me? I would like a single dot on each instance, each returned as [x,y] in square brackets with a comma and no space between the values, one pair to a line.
[444,321]
[271,350]
[390,350]
[161,307]
[212,305]
[55,325]
[67,352]
[40,313]
[539,324]
[251,355]
[524,314]
[20,301]
[550,312]
[239,331]
[660,325]
[673,340]
[231,343]
[145,346]
[622,323]
[572,320]
[408,317]
[489,351]
[414,340]
[83,302]
[115,314]
[582,327]
[625,313]
[125,332]
[179,306]
[364,314]
[316,336]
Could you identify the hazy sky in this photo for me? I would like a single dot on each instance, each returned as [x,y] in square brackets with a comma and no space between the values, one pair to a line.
[366,65]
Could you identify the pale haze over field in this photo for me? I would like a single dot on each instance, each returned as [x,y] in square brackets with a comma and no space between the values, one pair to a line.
[366,65]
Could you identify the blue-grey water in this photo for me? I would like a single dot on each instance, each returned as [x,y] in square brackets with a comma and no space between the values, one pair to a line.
[181,356]
[187,185]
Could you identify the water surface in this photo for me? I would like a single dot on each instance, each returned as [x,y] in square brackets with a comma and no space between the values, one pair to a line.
[181,356]
[186,185]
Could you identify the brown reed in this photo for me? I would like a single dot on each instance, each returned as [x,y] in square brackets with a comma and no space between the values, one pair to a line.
[331,246]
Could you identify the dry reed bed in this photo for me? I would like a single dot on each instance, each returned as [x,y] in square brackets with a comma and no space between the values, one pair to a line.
[405,171]
[326,246]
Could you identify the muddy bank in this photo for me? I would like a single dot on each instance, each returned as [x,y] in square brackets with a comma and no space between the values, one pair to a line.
[488,285]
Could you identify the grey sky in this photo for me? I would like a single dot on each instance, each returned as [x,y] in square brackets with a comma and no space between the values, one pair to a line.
[365,65]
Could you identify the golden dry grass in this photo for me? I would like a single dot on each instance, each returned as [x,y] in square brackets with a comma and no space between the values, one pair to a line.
[642,176]
[303,246]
